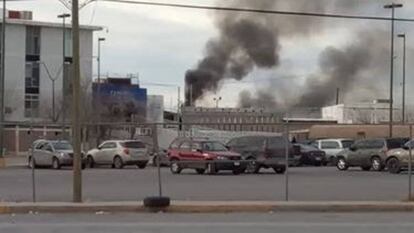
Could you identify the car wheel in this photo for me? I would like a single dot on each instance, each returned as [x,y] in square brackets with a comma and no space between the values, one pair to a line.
[55,163]
[141,165]
[118,164]
[175,166]
[341,164]
[366,168]
[90,163]
[252,166]
[200,171]
[31,163]
[211,168]
[376,164]
[279,170]
[393,165]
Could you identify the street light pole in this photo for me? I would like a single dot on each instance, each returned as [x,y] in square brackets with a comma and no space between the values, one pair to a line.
[98,95]
[2,81]
[404,69]
[64,81]
[392,7]
[217,101]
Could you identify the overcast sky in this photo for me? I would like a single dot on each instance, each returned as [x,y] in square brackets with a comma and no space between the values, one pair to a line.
[161,44]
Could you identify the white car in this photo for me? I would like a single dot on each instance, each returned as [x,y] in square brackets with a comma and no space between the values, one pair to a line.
[118,154]
[332,147]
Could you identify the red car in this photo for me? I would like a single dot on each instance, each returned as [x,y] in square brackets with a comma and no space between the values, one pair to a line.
[203,155]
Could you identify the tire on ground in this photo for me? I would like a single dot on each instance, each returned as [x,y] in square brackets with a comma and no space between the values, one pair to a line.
[157,202]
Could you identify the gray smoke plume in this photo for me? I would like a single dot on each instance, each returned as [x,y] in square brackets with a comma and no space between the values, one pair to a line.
[247,41]
[362,63]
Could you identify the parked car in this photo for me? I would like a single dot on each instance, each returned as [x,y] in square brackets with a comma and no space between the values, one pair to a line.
[118,153]
[398,159]
[51,153]
[310,155]
[203,155]
[332,147]
[264,152]
[368,153]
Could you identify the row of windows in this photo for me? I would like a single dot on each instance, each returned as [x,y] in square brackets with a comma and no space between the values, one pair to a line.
[236,120]
[32,72]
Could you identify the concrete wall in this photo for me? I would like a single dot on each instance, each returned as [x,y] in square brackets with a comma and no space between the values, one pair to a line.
[15,72]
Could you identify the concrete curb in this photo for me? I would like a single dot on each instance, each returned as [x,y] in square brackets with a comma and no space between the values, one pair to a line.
[206,207]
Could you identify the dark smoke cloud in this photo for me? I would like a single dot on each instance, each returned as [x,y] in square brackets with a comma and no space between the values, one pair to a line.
[247,41]
[242,45]
[262,99]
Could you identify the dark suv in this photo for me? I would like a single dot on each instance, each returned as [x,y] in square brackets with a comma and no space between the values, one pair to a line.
[264,152]
[203,155]
[368,153]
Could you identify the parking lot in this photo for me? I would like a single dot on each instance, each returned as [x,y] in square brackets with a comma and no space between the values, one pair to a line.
[130,183]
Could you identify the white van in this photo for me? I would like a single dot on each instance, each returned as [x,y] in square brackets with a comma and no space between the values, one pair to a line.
[332,147]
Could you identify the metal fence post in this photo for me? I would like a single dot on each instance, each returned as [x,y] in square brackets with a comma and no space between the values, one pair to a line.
[33,161]
[287,157]
[156,152]
[410,165]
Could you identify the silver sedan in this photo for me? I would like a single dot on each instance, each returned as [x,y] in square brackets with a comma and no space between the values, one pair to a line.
[50,153]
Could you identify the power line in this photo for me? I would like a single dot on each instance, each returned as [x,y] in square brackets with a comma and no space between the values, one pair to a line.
[216,8]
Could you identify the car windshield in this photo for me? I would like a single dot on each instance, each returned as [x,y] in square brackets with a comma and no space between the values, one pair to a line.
[133,145]
[62,146]
[347,143]
[213,146]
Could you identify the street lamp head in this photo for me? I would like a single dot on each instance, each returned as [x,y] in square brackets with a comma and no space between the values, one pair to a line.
[393,5]
[101,39]
[401,35]
[63,16]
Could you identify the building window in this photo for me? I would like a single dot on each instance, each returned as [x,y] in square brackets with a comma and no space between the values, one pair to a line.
[32,78]
[32,41]
[31,105]
[68,44]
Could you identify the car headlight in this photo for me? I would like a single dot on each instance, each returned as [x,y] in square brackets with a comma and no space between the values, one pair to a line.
[62,154]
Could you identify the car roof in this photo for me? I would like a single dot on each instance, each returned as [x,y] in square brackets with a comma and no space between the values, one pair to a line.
[121,141]
[336,139]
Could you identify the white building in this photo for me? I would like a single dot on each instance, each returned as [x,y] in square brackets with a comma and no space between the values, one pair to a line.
[31,46]
[357,113]
[155,108]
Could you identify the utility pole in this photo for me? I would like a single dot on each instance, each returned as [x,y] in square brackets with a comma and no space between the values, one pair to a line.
[392,7]
[404,69]
[76,121]
[2,81]
[98,95]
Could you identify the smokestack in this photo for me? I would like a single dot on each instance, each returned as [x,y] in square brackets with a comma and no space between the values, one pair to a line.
[337,96]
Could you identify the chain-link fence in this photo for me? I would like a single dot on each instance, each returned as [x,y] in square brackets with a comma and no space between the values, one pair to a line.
[291,160]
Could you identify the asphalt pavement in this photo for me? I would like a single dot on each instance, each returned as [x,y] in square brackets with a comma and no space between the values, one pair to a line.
[129,184]
[181,223]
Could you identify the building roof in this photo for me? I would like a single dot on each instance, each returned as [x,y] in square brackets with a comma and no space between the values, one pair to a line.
[50,24]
